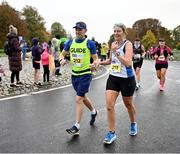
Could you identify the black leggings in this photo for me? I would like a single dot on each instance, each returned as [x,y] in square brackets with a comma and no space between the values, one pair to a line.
[46,73]
[13,74]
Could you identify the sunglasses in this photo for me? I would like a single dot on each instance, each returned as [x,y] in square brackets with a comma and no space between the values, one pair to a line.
[161,40]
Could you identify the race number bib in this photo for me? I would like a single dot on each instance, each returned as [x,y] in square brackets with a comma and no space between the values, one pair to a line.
[137,56]
[115,68]
[161,58]
[77,59]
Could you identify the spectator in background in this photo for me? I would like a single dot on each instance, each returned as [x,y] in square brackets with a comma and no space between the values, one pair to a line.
[45,62]
[55,54]
[15,62]
[98,46]
[151,50]
[36,60]
[104,51]
[24,49]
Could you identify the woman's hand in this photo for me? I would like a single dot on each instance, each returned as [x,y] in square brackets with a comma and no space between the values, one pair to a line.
[114,46]
[172,57]
[155,56]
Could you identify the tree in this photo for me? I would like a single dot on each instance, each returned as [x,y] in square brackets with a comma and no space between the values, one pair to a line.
[176,34]
[178,46]
[10,16]
[176,37]
[149,39]
[131,34]
[35,24]
[57,29]
[166,34]
[111,39]
[143,25]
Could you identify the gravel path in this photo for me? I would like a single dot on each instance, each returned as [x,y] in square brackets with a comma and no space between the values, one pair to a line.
[27,75]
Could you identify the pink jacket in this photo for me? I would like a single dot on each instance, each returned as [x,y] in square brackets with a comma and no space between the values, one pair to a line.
[45,57]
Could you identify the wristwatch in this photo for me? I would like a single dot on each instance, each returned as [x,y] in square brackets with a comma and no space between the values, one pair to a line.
[117,54]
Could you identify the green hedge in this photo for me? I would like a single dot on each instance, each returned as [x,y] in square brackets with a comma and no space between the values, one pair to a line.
[176,54]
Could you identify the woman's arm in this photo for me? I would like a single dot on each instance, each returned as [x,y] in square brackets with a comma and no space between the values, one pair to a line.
[127,58]
[143,51]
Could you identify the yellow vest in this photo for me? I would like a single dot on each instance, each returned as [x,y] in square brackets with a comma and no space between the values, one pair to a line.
[80,58]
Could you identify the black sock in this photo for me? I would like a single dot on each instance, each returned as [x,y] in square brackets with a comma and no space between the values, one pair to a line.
[112,132]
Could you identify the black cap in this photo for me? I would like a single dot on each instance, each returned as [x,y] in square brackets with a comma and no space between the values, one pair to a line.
[161,39]
[80,25]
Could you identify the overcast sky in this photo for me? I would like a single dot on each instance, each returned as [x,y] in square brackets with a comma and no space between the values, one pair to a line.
[101,15]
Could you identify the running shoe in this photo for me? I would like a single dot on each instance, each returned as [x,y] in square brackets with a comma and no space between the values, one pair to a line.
[93,118]
[110,137]
[133,129]
[73,130]
[137,87]
[161,87]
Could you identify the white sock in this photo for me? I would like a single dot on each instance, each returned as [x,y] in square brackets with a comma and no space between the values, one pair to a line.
[77,125]
[93,111]
[138,82]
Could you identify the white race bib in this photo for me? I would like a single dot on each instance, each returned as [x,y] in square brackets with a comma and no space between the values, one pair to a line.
[137,56]
[161,58]
[77,59]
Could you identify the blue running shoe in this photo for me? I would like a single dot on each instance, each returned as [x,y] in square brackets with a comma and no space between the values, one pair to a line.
[133,129]
[73,130]
[110,137]
[93,117]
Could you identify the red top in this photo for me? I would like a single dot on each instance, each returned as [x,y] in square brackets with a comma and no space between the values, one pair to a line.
[162,58]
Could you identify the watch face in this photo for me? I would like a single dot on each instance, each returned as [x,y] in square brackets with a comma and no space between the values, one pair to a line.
[117,54]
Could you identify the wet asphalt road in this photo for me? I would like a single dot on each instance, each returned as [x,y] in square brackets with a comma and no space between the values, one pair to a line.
[37,123]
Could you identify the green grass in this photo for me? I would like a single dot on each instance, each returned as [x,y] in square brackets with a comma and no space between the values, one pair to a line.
[2,54]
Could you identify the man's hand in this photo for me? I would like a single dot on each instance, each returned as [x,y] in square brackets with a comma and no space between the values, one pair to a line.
[61,58]
[94,65]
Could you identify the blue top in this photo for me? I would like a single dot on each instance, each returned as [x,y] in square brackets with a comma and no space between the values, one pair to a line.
[90,44]
[36,52]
